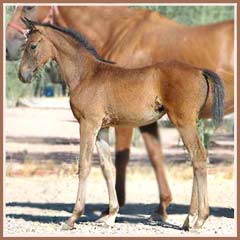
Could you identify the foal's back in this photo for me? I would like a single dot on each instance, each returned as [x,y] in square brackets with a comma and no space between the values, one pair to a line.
[150,92]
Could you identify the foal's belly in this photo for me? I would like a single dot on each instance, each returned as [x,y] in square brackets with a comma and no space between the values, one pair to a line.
[136,115]
[145,119]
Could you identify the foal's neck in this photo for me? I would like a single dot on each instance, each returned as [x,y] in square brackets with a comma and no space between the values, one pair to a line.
[75,62]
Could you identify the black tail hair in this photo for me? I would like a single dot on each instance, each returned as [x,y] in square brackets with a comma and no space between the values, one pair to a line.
[218,96]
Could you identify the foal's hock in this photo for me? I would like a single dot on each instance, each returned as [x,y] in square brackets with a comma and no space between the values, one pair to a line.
[104,95]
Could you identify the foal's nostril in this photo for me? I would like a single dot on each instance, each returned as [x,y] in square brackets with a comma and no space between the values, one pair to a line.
[28,77]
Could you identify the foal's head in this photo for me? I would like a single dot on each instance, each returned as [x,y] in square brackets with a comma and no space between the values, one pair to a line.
[40,47]
[38,50]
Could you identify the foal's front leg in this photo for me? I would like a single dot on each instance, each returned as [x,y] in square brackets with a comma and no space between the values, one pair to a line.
[88,133]
[109,173]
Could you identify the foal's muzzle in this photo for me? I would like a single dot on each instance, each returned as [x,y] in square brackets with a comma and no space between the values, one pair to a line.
[25,77]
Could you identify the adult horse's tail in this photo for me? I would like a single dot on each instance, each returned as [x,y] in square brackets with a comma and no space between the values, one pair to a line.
[218,95]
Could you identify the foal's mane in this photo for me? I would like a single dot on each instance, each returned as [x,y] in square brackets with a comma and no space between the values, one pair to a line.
[75,35]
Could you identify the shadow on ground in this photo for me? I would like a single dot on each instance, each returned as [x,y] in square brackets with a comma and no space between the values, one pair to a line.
[131,213]
[60,157]
[43,140]
[173,154]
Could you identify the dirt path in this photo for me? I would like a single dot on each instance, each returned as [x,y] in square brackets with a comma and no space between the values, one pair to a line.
[42,149]
[37,205]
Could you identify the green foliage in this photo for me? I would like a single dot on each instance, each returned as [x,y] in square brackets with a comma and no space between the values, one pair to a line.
[14,88]
[205,129]
[195,15]
[9,11]
[136,140]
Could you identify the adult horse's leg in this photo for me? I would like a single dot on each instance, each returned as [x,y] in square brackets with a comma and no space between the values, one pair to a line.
[153,145]
[199,209]
[109,173]
[123,142]
[88,133]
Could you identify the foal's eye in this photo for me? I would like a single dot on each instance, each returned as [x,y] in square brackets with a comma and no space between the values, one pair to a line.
[33,46]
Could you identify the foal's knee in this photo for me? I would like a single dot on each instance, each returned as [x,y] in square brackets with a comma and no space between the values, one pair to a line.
[83,171]
[108,168]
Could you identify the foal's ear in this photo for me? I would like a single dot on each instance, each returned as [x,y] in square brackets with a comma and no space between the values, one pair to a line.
[29,24]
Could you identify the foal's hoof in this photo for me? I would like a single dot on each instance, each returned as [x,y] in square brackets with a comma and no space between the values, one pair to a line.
[199,223]
[108,220]
[66,226]
[193,223]
[190,222]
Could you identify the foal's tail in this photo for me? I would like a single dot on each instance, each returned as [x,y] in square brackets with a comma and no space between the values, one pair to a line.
[218,95]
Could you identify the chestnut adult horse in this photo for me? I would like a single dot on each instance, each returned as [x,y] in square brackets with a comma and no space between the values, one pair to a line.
[103,95]
[136,38]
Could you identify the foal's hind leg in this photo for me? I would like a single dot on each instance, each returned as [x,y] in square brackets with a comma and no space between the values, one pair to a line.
[193,211]
[108,170]
[153,145]
[199,202]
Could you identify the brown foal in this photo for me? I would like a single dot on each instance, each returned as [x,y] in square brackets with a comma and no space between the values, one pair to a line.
[104,95]
[148,37]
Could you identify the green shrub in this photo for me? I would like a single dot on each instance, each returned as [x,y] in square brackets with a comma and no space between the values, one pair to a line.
[195,15]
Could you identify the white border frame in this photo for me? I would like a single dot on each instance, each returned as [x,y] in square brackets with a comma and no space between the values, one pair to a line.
[117,5]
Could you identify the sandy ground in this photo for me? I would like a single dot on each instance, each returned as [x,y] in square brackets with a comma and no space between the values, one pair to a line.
[38,205]
[37,201]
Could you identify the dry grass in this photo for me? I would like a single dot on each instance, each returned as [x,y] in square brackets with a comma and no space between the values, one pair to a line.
[222,172]
[185,171]
[180,172]
[134,172]
[33,168]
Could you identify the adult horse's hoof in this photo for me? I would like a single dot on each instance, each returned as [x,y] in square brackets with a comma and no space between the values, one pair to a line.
[66,226]
[158,217]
